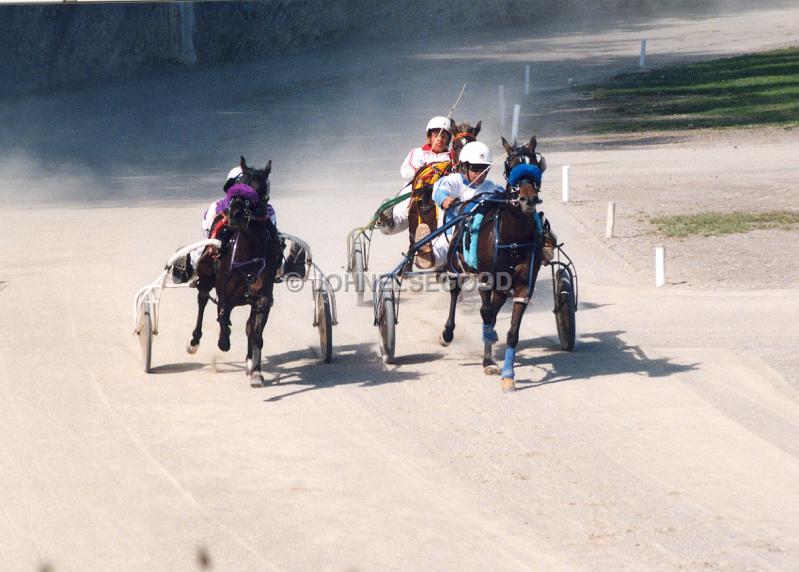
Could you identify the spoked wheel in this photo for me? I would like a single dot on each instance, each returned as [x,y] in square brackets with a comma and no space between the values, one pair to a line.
[387,323]
[145,328]
[564,310]
[324,322]
[358,272]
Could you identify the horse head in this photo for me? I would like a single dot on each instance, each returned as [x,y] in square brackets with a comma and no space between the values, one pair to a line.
[258,179]
[523,154]
[243,206]
[462,134]
[523,169]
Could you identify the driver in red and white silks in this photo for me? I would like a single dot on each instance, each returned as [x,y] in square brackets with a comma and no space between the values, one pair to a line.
[439,135]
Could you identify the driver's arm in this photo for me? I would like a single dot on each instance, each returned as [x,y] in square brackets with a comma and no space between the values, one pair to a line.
[444,193]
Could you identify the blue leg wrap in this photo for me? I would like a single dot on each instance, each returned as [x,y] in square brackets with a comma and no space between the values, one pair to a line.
[471,253]
[507,367]
[537,216]
[489,335]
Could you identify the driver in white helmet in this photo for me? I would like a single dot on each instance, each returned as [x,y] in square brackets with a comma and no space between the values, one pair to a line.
[449,191]
[436,149]
[439,134]
[183,269]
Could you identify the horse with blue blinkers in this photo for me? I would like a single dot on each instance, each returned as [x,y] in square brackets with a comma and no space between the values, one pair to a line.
[509,254]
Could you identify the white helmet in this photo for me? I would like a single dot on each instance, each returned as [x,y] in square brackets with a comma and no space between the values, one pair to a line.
[234,172]
[476,153]
[439,122]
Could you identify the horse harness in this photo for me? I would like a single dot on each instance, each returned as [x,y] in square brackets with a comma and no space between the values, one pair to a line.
[516,250]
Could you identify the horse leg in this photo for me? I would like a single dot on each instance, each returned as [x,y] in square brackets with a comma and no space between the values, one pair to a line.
[223,317]
[449,328]
[507,372]
[492,302]
[248,367]
[255,339]
[194,342]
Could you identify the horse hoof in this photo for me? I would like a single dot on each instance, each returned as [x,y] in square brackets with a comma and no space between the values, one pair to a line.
[192,348]
[224,345]
[508,385]
[444,339]
[257,380]
[491,369]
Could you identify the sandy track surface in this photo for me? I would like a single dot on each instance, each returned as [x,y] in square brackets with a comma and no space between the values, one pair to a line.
[667,440]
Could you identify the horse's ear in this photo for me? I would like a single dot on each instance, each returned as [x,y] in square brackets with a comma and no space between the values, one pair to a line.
[268,168]
[506,145]
[455,129]
[243,163]
[532,144]
[477,128]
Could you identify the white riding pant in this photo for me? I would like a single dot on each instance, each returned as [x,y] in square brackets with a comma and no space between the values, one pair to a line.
[441,242]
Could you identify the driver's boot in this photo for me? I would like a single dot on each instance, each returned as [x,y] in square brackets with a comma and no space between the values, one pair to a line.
[550,242]
[182,270]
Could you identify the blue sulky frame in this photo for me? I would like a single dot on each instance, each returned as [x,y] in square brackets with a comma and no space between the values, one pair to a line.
[387,287]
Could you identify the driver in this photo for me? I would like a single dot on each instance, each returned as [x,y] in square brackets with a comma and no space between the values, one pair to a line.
[220,205]
[435,150]
[449,191]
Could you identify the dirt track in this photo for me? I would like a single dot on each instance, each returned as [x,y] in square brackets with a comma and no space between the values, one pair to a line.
[668,439]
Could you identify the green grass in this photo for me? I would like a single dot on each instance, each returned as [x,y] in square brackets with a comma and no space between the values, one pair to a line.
[715,224]
[751,90]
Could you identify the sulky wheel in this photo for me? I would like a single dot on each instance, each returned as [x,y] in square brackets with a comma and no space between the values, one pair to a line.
[387,323]
[358,271]
[564,310]
[324,322]
[145,328]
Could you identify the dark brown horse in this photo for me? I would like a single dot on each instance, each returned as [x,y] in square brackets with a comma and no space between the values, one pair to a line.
[509,256]
[243,270]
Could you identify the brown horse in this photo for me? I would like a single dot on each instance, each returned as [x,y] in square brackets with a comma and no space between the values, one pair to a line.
[243,271]
[509,256]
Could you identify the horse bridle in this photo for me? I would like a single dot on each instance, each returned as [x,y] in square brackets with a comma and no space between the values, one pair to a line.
[248,211]
[525,157]
[514,194]
[248,175]
[464,135]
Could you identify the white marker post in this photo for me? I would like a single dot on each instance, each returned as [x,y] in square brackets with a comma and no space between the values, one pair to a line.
[642,61]
[514,130]
[566,182]
[611,224]
[660,266]
[527,80]
[502,106]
